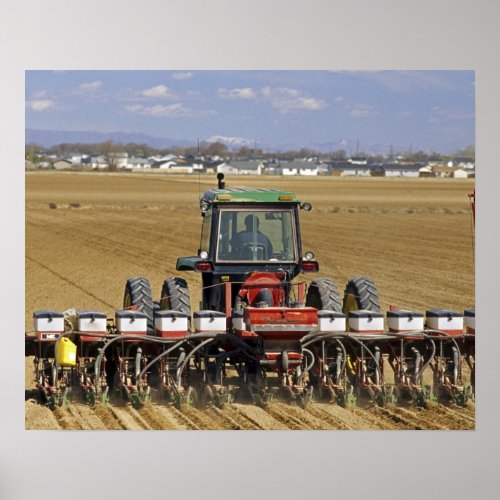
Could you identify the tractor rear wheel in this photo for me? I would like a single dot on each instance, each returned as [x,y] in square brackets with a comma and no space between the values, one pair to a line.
[138,294]
[175,296]
[360,293]
[322,294]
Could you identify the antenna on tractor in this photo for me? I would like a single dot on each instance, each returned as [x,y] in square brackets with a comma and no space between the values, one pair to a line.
[220,179]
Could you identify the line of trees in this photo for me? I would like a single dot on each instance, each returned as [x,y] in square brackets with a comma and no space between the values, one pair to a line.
[37,153]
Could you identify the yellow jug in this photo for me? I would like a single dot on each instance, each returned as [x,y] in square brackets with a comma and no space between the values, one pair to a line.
[66,352]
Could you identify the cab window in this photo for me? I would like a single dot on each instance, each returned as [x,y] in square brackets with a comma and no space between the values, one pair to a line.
[256,235]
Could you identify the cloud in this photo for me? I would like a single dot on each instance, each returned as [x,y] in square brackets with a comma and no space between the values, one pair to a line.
[90,86]
[404,114]
[243,93]
[182,75]
[360,110]
[160,91]
[175,110]
[230,141]
[286,100]
[283,99]
[339,99]
[40,104]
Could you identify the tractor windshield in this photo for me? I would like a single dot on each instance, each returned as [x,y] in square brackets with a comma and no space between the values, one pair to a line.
[256,235]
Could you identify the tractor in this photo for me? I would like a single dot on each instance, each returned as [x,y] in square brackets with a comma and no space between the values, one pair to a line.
[250,252]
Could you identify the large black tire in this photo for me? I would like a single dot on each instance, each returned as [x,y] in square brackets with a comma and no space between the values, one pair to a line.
[175,296]
[322,293]
[360,293]
[138,293]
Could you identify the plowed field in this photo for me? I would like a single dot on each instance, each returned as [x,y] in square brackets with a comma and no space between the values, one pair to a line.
[87,233]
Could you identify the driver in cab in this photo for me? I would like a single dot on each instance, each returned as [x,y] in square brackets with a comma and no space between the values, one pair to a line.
[243,245]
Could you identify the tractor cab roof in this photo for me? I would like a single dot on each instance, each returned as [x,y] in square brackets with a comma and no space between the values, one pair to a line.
[248,195]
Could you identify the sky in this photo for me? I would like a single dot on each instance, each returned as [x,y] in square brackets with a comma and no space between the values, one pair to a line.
[351,110]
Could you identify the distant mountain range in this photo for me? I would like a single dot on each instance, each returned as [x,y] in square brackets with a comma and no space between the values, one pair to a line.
[49,138]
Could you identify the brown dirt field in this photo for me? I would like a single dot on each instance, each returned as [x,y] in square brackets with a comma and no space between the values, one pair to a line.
[412,236]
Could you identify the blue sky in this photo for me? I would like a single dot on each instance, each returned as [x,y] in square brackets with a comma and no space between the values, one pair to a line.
[429,110]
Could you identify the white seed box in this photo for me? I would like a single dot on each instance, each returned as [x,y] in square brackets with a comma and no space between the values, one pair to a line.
[91,321]
[331,321]
[48,321]
[171,321]
[131,322]
[364,321]
[209,321]
[405,321]
[444,320]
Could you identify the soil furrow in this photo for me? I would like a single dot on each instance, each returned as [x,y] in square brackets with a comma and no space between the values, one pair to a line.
[378,421]
[171,421]
[398,419]
[244,420]
[259,417]
[337,423]
[230,422]
[126,420]
[455,417]
[420,416]
[87,420]
[66,419]
[185,420]
[155,419]
[207,418]
[109,419]
[285,416]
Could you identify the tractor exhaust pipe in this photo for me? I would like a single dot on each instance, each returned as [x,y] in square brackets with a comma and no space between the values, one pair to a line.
[220,181]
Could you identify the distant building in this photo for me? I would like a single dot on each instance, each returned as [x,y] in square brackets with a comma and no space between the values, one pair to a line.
[358,160]
[426,171]
[118,160]
[442,171]
[360,170]
[98,162]
[297,167]
[226,169]
[62,164]
[242,167]
[402,169]
[460,173]
[134,162]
